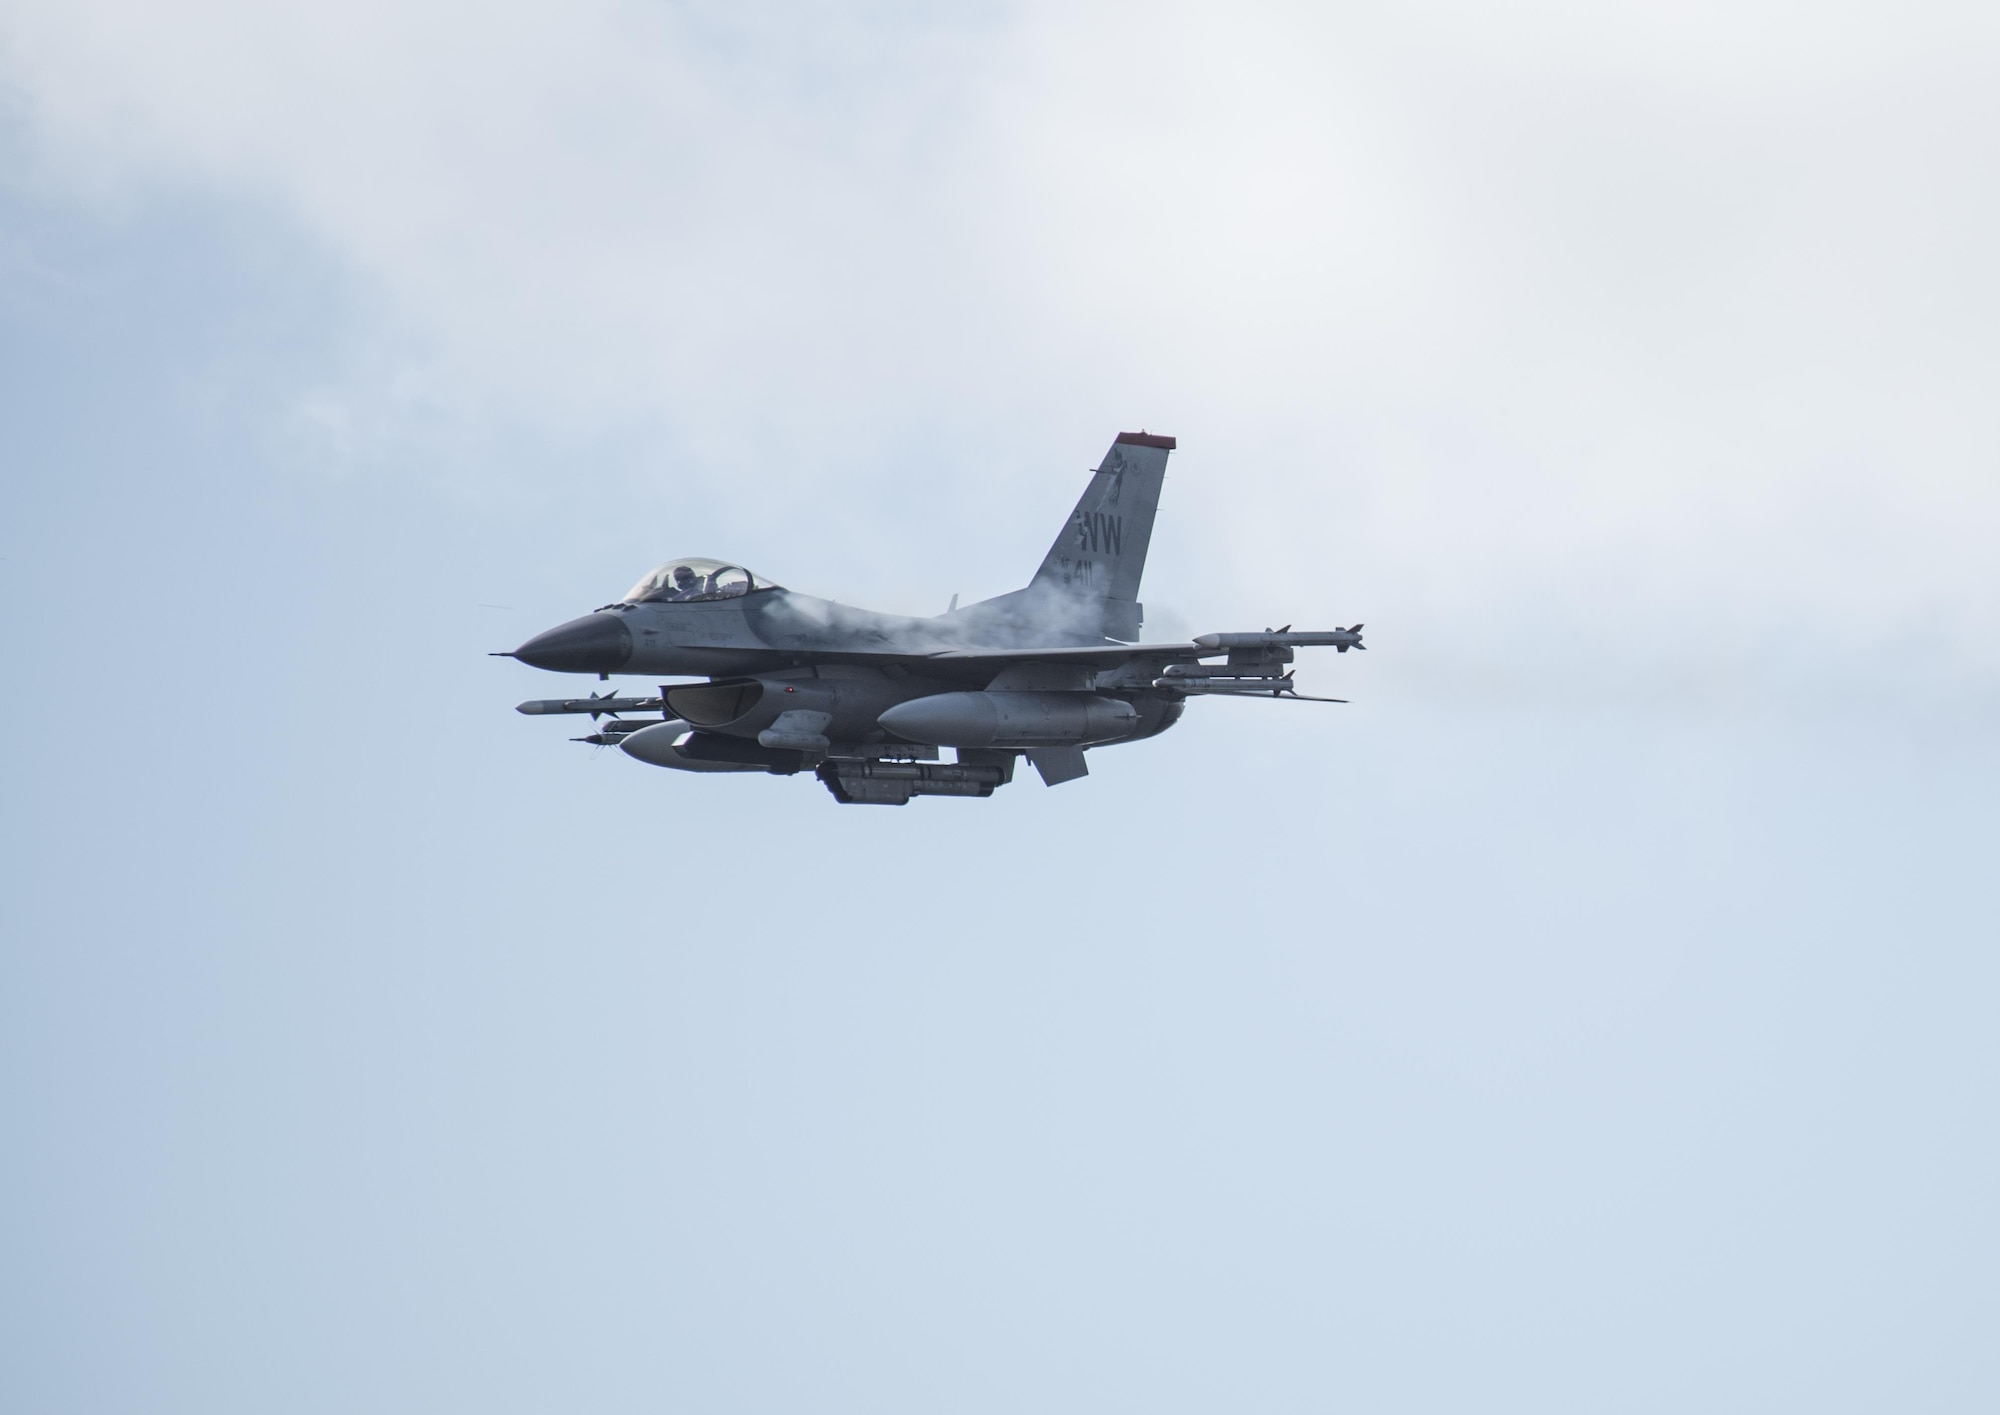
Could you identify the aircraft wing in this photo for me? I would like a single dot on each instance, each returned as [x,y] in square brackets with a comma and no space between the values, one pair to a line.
[1272,645]
[1095,655]
[1256,666]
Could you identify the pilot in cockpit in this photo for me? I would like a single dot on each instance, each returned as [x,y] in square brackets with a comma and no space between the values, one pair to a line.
[687,584]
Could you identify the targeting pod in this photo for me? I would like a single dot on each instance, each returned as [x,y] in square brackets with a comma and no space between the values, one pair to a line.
[878,783]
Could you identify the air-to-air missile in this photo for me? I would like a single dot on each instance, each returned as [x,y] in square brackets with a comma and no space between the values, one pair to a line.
[610,703]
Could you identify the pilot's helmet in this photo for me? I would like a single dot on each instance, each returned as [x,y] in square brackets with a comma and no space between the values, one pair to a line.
[685,577]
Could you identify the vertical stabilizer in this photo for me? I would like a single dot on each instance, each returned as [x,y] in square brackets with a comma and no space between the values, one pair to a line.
[1088,586]
[1102,548]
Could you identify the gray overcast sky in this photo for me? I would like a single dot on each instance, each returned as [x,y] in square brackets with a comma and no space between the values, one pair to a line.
[1597,1014]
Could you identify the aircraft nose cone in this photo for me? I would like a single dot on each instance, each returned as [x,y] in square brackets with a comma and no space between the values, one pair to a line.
[596,643]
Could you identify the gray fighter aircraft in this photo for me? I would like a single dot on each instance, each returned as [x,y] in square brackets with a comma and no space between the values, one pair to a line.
[865,700]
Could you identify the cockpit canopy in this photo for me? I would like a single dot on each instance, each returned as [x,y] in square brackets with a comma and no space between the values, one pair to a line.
[681,581]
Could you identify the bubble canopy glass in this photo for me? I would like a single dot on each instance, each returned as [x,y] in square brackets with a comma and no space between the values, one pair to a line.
[692,578]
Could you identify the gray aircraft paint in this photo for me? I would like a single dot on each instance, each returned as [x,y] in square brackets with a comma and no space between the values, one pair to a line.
[796,683]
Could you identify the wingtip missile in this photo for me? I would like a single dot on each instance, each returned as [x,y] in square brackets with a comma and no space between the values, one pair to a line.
[1342,639]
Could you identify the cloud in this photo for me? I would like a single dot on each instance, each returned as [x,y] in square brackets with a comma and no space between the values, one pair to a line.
[1670,332]
[607,210]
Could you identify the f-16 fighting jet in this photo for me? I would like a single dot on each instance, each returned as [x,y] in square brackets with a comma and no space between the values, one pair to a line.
[864,700]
